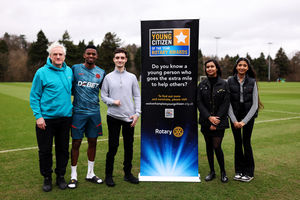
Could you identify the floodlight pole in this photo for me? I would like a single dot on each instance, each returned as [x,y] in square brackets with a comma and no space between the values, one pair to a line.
[217,38]
[269,68]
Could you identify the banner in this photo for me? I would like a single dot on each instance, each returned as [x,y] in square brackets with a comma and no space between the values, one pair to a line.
[169,127]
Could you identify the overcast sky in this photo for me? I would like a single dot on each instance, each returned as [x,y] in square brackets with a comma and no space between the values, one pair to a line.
[244,26]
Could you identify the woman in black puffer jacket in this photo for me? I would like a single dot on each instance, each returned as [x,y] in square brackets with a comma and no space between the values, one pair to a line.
[213,104]
[243,109]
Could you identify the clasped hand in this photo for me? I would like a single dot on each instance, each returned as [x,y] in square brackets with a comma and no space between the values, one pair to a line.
[238,125]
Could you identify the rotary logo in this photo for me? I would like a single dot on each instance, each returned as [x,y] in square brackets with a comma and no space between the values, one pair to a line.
[178,131]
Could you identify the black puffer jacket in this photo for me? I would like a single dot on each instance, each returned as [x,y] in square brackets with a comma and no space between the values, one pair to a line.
[234,88]
[215,103]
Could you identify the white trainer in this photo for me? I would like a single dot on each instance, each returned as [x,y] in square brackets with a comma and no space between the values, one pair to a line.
[246,178]
[238,176]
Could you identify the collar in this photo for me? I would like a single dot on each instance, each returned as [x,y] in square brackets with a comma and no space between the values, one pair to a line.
[246,76]
[117,70]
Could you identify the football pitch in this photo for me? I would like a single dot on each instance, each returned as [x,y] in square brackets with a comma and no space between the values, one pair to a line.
[275,142]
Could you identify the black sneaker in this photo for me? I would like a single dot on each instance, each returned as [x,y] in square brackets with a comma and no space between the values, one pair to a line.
[109,181]
[210,176]
[47,187]
[224,178]
[131,179]
[61,183]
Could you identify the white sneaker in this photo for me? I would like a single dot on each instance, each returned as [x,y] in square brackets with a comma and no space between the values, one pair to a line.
[238,176]
[94,179]
[246,178]
[73,184]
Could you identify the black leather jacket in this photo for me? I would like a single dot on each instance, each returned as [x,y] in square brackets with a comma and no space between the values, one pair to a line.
[215,103]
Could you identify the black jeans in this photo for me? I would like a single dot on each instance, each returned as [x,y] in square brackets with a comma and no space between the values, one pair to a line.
[243,154]
[114,128]
[59,129]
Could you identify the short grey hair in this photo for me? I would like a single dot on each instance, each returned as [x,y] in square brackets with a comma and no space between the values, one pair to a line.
[56,44]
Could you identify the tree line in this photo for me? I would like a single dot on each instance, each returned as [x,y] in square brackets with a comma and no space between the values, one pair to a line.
[19,59]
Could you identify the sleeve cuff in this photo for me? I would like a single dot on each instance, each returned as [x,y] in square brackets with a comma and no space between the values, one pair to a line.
[37,116]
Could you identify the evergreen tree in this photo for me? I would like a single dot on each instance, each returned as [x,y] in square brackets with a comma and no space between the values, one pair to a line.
[65,37]
[37,54]
[248,57]
[200,64]
[282,63]
[233,60]
[80,51]
[106,49]
[227,63]
[3,47]
[3,59]
[72,56]
[130,65]
[91,42]
[138,61]
[6,37]
[261,67]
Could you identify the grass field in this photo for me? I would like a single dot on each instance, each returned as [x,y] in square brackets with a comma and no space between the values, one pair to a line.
[275,140]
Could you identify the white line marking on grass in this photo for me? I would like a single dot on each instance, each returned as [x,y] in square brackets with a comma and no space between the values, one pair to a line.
[275,120]
[30,148]
[22,149]
[285,112]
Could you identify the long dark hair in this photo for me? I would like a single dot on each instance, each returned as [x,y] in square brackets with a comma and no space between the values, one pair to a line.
[251,73]
[219,73]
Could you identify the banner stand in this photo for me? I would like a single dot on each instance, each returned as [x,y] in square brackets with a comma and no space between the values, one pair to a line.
[169,126]
[170,178]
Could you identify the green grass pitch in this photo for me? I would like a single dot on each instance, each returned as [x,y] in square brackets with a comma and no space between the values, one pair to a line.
[275,142]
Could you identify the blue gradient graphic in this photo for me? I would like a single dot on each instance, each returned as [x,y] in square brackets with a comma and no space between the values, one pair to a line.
[167,155]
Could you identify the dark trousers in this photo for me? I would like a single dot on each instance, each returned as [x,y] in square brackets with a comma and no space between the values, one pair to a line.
[243,154]
[114,128]
[59,130]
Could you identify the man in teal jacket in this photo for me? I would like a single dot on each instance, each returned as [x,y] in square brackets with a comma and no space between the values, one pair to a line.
[50,101]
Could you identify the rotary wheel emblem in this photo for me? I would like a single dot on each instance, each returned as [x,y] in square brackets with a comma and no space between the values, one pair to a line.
[178,131]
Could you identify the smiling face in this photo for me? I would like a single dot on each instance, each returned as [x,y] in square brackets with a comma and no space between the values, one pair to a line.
[57,56]
[120,60]
[211,69]
[242,68]
[90,56]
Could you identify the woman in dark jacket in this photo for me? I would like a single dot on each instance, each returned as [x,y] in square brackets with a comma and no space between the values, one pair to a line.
[213,103]
[243,109]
